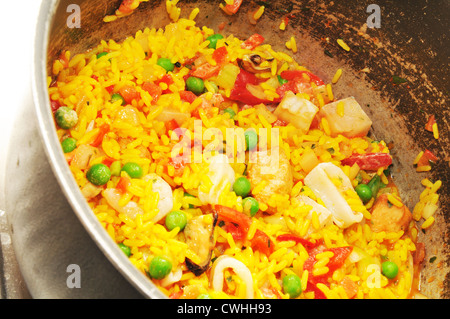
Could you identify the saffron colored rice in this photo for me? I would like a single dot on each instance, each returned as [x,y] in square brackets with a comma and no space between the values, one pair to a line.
[286,235]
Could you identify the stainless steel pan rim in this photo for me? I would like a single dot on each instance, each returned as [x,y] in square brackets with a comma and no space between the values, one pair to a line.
[59,164]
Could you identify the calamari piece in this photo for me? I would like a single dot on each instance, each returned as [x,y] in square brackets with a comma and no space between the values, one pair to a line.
[221,174]
[346,117]
[320,181]
[296,110]
[325,216]
[223,262]
[165,202]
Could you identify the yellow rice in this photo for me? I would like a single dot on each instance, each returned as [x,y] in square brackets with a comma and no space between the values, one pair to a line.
[137,136]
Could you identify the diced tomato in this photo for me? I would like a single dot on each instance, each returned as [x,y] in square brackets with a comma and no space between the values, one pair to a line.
[431,121]
[154,90]
[233,8]
[123,184]
[220,55]
[369,161]
[172,125]
[252,42]
[55,105]
[205,71]
[290,237]
[231,215]
[94,77]
[129,93]
[187,96]
[350,287]
[262,242]
[166,79]
[108,161]
[286,87]
[426,158]
[340,255]
[176,295]
[239,234]
[338,259]
[241,93]
[297,75]
[101,134]
[110,89]
[126,6]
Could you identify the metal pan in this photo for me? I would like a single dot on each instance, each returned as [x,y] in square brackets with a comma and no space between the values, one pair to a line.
[410,43]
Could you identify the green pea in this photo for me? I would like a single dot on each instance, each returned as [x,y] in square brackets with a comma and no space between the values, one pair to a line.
[98,174]
[115,168]
[250,205]
[364,192]
[195,85]
[66,118]
[69,144]
[251,139]
[101,54]
[213,40]
[159,267]
[230,112]
[281,80]
[126,250]
[292,285]
[117,97]
[241,186]
[133,170]
[176,218]
[165,64]
[389,269]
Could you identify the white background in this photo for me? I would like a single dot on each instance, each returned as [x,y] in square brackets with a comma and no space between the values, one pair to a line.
[17,27]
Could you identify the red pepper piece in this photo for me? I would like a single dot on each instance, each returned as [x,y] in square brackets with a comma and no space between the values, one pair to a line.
[369,161]
[252,42]
[306,243]
[262,242]
[297,75]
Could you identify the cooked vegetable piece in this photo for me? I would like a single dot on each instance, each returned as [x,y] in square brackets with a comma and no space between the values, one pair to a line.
[66,118]
[251,139]
[176,218]
[389,269]
[159,267]
[369,161]
[98,174]
[250,205]
[364,192]
[69,144]
[126,250]
[166,64]
[133,169]
[292,285]
[213,40]
[195,85]
[241,186]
